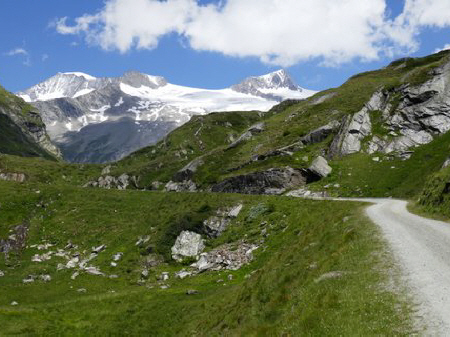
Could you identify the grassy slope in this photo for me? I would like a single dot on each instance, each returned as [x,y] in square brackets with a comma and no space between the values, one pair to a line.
[306,239]
[285,125]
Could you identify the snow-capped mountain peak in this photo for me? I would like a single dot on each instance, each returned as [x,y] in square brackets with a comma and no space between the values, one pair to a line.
[80,74]
[277,85]
[114,116]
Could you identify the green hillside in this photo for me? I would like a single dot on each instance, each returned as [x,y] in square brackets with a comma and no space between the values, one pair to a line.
[79,260]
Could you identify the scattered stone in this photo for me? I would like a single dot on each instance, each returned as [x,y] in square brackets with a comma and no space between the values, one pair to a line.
[2,273]
[230,277]
[304,193]
[141,240]
[191,292]
[164,286]
[14,303]
[118,256]
[226,256]
[187,244]
[330,275]
[17,177]
[219,281]
[81,290]
[74,275]
[183,274]
[376,159]
[98,249]
[144,273]
[113,276]
[73,262]
[164,276]
[45,278]
[216,225]
[29,279]
[106,170]
[113,264]
[93,271]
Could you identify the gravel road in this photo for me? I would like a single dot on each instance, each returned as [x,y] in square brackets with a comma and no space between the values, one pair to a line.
[422,247]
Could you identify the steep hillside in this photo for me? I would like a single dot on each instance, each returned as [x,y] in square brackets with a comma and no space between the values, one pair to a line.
[383,132]
[22,131]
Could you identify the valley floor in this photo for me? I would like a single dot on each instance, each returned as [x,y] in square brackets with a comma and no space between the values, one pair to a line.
[322,268]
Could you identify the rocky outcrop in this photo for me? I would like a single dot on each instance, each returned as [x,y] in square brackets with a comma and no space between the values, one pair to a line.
[272,181]
[320,167]
[411,114]
[248,134]
[184,186]
[216,224]
[227,257]
[188,244]
[187,172]
[15,242]
[108,182]
[17,177]
[353,130]
[29,122]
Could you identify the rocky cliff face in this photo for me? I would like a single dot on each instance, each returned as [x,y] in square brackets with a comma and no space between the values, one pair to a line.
[23,129]
[411,115]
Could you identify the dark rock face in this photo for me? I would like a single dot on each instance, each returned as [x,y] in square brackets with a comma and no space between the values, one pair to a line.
[272,181]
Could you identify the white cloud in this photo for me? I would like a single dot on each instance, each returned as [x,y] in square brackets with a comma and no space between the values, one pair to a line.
[282,32]
[446,47]
[44,57]
[20,51]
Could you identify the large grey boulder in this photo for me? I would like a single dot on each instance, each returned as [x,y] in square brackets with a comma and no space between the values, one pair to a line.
[320,167]
[187,244]
[271,181]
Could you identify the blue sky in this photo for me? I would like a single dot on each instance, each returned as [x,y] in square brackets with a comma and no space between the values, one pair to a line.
[214,44]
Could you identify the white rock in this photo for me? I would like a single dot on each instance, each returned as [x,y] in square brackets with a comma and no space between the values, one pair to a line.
[14,303]
[182,274]
[2,273]
[45,278]
[113,264]
[165,276]
[74,275]
[118,256]
[320,167]
[235,210]
[187,244]
[73,262]
[93,271]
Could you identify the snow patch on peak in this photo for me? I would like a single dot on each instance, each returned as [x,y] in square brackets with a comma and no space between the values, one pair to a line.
[80,74]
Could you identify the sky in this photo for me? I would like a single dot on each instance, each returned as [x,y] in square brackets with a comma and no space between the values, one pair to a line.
[215,43]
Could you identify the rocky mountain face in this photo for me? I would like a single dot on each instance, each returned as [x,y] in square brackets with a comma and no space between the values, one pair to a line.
[411,115]
[22,129]
[103,119]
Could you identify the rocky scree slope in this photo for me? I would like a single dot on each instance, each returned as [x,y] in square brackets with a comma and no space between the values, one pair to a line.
[104,119]
[22,131]
[370,135]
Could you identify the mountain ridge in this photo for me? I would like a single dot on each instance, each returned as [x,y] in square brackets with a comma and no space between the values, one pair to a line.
[148,106]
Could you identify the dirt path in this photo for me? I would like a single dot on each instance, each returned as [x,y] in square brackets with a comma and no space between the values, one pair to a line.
[422,247]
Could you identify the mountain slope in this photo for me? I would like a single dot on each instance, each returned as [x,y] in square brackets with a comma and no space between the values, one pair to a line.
[383,132]
[80,109]
[22,131]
